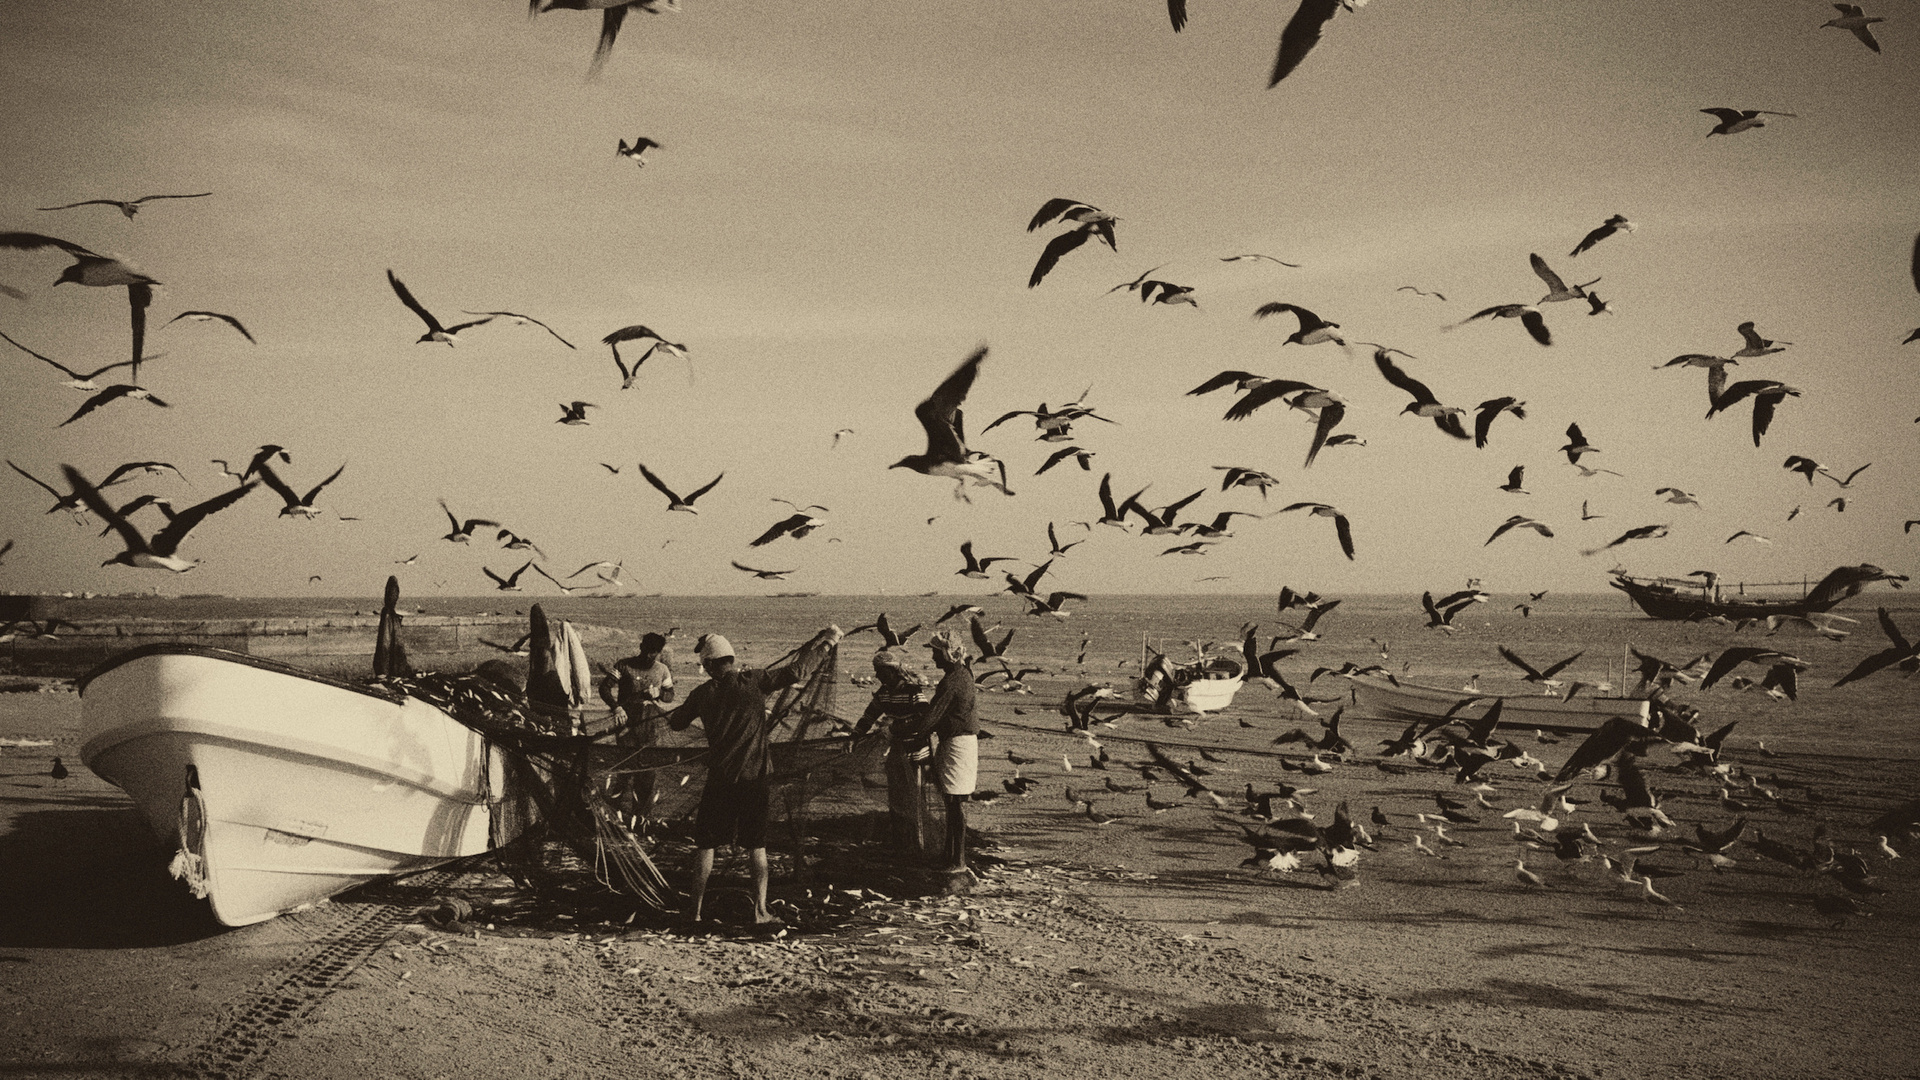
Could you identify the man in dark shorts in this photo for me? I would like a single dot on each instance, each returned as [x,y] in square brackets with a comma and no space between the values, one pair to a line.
[732,709]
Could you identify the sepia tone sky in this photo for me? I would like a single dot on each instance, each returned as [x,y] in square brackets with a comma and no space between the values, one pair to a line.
[837,218]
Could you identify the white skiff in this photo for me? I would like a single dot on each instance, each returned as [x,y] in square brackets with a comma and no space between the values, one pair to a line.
[1205,686]
[278,788]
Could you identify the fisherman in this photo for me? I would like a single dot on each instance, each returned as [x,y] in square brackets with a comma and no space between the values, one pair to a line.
[634,688]
[950,718]
[901,701]
[732,709]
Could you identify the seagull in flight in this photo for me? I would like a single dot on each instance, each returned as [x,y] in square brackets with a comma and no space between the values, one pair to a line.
[130,207]
[764,575]
[522,320]
[796,525]
[1444,417]
[1313,329]
[640,146]
[1055,547]
[1329,409]
[1755,344]
[1543,676]
[100,271]
[1084,457]
[1900,653]
[435,331]
[1850,18]
[112,393]
[1487,411]
[1735,121]
[1236,476]
[1914,269]
[156,552]
[1644,532]
[301,505]
[213,316]
[1514,479]
[1340,525]
[977,567]
[462,531]
[1528,315]
[510,583]
[575,415]
[613,13]
[1577,444]
[1614,224]
[675,501]
[1255,257]
[78,380]
[1091,222]
[1302,33]
[947,454]
[1675,495]
[1519,522]
[1557,290]
[1767,394]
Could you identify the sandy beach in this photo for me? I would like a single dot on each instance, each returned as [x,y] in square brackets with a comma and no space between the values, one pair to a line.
[1138,947]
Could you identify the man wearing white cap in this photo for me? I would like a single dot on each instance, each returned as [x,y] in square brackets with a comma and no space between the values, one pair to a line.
[732,709]
[956,764]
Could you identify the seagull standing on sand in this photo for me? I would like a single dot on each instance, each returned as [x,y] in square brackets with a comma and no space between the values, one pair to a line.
[435,331]
[130,207]
[157,552]
[1614,224]
[677,502]
[1851,18]
[947,454]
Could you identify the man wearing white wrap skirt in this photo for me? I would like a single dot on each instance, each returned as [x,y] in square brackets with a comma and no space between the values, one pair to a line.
[956,763]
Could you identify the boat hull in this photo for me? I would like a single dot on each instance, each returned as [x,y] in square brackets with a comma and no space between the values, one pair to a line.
[1194,698]
[1376,698]
[277,788]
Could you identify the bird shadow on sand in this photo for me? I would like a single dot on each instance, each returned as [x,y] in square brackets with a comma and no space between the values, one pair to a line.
[1516,993]
[92,879]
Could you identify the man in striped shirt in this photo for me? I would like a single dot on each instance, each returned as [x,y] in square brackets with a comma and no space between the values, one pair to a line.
[901,701]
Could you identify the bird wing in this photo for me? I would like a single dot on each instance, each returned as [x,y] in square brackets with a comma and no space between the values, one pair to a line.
[610,21]
[1262,394]
[118,390]
[1611,738]
[90,495]
[1536,325]
[1532,675]
[278,485]
[1330,417]
[660,485]
[1483,420]
[1177,13]
[167,540]
[1731,395]
[1893,633]
[228,319]
[779,529]
[939,414]
[1764,404]
[1009,416]
[1302,33]
[1591,239]
[406,297]
[1401,379]
[1554,284]
[709,486]
[1561,666]
[26,241]
[527,318]
[1055,248]
[1497,534]
[1052,209]
[1225,378]
[72,373]
[1308,320]
[1345,532]
[1057,457]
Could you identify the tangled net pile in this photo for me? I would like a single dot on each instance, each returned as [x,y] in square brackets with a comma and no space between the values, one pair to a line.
[566,786]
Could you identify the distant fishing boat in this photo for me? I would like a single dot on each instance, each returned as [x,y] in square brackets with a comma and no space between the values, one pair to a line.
[1203,686]
[278,787]
[1702,595]
[1381,697]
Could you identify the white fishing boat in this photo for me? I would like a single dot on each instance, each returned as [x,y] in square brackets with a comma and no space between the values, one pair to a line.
[1204,686]
[1379,697]
[277,787]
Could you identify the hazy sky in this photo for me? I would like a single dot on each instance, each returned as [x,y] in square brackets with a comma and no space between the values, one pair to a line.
[837,218]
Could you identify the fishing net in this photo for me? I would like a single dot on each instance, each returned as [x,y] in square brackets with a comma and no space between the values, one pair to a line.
[624,786]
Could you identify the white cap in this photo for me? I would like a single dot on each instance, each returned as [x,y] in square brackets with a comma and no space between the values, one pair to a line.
[713,647]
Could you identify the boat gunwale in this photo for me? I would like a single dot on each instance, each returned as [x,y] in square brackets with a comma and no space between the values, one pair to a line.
[211,652]
[1578,722]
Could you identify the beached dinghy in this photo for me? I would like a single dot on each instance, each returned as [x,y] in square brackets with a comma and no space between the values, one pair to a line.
[1204,686]
[278,787]
[1379,697]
